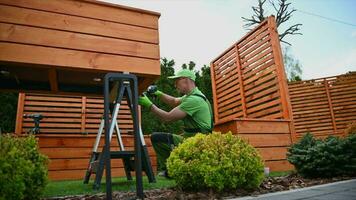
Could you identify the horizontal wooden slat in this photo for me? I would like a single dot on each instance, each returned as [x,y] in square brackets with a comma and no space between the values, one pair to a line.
[262,127]
[278,166]
[82,163]
[76,41]
[76,59]
[73,153]
[266,112]
[255,52]
[79,174]
[91,10]
[66,141]
[268,140]
[71,23]
[273,153]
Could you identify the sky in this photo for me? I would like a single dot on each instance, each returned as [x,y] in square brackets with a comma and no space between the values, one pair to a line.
[200,30]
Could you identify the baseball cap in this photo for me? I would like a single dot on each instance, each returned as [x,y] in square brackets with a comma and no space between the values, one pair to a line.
[184,73]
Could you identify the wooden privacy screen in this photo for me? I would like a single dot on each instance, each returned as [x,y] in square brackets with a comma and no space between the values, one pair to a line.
[251,94]
[249,78]
[67,114]
[69,129]
[324,106]
[63,45]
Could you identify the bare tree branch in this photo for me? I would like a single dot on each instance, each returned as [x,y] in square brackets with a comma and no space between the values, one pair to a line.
[293,30]
[283,14]
[258,15]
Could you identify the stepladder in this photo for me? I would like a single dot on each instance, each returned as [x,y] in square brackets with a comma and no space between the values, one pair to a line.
[97,160]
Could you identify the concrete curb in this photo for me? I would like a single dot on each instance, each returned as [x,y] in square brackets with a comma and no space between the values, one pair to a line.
[294,190]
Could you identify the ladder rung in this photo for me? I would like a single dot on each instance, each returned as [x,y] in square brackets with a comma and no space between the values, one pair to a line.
[122,154]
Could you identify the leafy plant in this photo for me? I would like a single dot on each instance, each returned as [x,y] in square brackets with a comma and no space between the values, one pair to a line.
[23,170]
[8,102]
[330,157]
[217,161]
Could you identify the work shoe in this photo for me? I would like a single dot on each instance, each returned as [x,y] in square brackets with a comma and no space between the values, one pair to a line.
[164,174]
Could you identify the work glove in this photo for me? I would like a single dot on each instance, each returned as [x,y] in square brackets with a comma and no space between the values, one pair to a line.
[152,90]
[145,101]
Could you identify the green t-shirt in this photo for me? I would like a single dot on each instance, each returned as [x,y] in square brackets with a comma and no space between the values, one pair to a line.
[198,112]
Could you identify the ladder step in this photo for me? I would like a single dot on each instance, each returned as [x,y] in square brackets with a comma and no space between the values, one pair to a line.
[122,154]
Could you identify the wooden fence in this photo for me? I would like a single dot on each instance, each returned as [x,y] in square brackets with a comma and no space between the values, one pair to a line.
[251,94]
[69,129]
[249,79]
[324,106]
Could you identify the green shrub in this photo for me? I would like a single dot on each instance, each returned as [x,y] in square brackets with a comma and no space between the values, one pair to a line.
[217,161]
[23,170]
[330,157]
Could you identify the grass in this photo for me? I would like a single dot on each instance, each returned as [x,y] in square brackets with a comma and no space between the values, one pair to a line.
[65,188]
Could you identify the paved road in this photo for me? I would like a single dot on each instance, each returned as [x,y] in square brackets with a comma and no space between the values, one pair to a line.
[343,190]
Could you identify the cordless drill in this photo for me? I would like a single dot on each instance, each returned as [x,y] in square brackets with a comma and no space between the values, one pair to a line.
[36,118]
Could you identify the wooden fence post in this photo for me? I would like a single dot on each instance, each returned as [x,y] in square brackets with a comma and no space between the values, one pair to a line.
[84,102]
[281,75]
[213,87]
[326,84]
[19,114]
[242,92]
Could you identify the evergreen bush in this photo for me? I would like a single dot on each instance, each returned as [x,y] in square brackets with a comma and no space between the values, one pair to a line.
[330,157]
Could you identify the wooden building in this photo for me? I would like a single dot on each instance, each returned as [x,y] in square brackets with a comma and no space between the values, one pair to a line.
[65,47]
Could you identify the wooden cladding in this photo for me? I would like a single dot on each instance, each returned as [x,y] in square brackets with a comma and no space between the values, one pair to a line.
[324,106]
[68,131]
[43,42]
[270,137]
[67,114]
[248,79]
[69,154]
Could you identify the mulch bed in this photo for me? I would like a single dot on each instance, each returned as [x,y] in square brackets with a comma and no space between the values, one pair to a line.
[270,184]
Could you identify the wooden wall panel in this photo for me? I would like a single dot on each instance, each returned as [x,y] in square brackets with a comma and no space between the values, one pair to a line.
[76,41]
[44,44]
[68,131]
[93,10]
[270,137]
[69,154]
[75,24]
[82,60]
[324,106]
[69,114]
[249,80]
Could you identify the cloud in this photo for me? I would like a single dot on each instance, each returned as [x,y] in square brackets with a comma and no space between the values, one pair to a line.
[353,34]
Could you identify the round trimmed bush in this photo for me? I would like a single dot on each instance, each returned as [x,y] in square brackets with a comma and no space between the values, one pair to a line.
[23,170]
[217,161]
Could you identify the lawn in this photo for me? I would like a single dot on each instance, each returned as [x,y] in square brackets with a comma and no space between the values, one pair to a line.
[65,188]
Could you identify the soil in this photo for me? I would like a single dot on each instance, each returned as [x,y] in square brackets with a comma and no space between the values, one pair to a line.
[270,184]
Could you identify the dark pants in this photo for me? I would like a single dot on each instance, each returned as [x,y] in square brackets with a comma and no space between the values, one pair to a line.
[163,144]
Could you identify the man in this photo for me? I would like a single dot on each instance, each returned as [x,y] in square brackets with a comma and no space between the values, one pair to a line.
[193,108]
